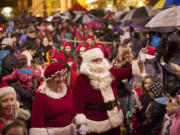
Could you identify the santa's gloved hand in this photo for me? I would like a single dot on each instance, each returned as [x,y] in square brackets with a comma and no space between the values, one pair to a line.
[83,129]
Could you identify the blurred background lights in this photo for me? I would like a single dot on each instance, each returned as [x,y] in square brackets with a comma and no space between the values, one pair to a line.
[7,11]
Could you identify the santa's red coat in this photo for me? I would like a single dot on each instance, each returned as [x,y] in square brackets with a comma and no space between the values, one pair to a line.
[83,92]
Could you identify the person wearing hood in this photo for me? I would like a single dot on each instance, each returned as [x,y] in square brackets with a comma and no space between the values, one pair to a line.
[175,126]
[9,30]
[171,109]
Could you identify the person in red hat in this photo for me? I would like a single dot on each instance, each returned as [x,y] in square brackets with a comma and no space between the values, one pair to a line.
[90,42]
[77,63]
[44,31]
[7,104]
[95,95]
[24,75]
[66,54]
[52,109]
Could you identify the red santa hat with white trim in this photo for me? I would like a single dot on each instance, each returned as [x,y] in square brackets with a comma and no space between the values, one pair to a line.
[92,54]
[53,69]
[6,89]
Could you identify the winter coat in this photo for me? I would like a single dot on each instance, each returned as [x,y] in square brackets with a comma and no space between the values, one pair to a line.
[8,64]
[166,124]
[153,68]
[171,80]
[9,30]
[3,53]
[24,96]
[175,126]
[24,76]
[155,114]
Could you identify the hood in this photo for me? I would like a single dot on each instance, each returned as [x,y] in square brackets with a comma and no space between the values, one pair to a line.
[10,23]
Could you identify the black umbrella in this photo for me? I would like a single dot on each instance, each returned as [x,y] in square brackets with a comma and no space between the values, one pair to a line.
[140,16]
[98,12]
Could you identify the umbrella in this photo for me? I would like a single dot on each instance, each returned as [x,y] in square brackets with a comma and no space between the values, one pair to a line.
[140,12]
[140,16]
[67,15]
[87,18]
[98,12]
[167,18]
[166,3]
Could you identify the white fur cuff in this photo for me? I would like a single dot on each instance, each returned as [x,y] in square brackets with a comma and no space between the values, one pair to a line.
[80,119]
[38,131]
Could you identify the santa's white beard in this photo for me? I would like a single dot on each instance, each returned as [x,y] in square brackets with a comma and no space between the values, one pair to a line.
[99,74]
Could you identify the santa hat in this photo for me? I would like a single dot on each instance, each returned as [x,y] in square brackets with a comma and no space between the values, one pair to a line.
[92,54]
[21,56]
[88,37]
[6,89]
[151,50]
[68,44]
[53,69]
[43,25]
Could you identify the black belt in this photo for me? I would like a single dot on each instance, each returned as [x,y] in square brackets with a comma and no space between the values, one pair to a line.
[102,106]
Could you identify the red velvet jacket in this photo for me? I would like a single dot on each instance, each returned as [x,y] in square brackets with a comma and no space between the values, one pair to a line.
[49,110]
[83,92]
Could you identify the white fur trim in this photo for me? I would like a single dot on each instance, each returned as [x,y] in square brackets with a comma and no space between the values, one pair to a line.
[38,131]
[62,71]
[45,90]
[115,115]
[136,70]
[115,119]
[92,54]
[150,56]
[80,119]
[68,130]
[7,90]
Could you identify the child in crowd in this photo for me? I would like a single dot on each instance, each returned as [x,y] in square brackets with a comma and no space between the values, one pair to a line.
[23,73]
[171,110]
[136,100]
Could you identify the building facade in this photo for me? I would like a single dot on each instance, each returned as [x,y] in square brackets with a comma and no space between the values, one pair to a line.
[44,8]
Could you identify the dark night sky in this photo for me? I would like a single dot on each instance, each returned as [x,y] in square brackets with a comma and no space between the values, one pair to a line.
[11,3]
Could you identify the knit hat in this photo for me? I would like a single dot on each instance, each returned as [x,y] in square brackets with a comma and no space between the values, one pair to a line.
[53,69]
[157,88]
[30,29]
[92,54]
[68,44]
[21,56]
[6,89]
[7,41]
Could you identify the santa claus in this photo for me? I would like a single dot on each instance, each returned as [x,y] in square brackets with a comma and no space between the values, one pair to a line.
[95,95]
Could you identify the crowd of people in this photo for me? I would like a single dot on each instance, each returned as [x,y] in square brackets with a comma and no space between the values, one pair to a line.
[64,78]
